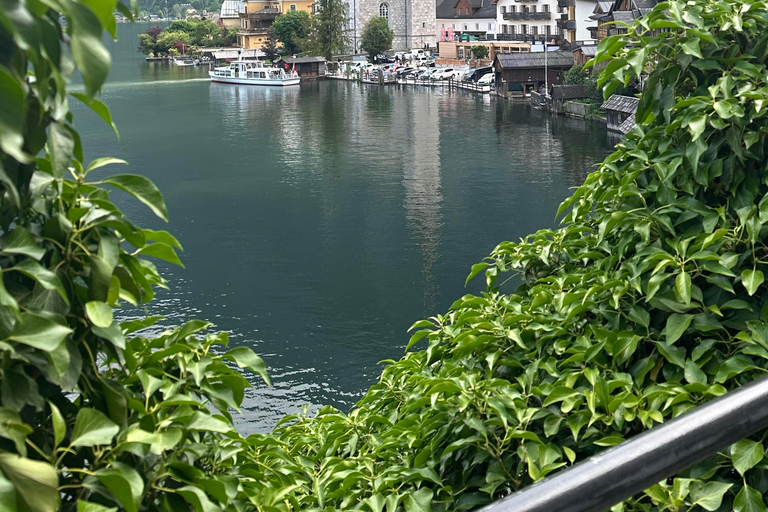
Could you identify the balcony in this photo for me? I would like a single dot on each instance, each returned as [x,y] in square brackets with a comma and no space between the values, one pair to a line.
[527,1]
[527,15]
[565,3]
[567,24]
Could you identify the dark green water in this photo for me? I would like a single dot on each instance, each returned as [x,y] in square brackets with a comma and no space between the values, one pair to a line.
[319,222]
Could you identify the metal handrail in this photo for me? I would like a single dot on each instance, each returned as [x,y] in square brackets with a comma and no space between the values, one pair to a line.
[609,477]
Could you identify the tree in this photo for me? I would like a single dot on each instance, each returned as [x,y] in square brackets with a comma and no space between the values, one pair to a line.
[327,30]
[168,40]
[290,28]
[480,51]
[270,48]
[148,40]
[176,11]
[377,36]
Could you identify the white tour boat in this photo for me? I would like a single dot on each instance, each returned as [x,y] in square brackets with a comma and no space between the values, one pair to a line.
[252,72]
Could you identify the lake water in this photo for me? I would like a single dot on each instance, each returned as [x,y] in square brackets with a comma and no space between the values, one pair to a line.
[320,221]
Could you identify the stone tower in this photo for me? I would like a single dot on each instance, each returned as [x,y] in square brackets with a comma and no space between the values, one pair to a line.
[412,21]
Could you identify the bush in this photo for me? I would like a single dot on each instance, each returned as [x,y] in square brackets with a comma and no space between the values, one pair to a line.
[648,301]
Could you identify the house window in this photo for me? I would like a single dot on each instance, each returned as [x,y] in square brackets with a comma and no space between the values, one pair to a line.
[513,8]
[423,24]
[533,9]
[548,28]
[504,29]
[523,29]
[511,29]
[490,27]
[293,7]
[534,30]
[468,11]
[384,11]
[477,26]
[546,7]
[465,27]
[503,9]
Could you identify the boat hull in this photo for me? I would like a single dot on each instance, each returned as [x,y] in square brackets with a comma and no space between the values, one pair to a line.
[255,81]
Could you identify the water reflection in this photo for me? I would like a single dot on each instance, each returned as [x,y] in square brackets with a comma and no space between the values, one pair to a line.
[320,222]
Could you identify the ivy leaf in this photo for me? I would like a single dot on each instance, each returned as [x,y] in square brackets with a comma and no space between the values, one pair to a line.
[676,325]
[39,332]
[752,279]
[86,506]
[99,313]
[197,498]
[244,357]
[746,454]
[12,115]
[419,501]
[142,189]
[59,425]
[124,483]
[683,287]
[749,500]
[21,241]
[36,482]
[46,278]
[709,496]
[93,428]
[559,394]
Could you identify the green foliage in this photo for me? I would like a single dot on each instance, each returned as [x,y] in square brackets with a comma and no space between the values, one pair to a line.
[576,75]
[327,30]
[290,28]
[270,49]
[480,51]
[93,415]
[377,36]
[647,302]
[183,33]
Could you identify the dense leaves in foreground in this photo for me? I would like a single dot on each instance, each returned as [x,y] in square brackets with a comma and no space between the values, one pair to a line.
[649,301]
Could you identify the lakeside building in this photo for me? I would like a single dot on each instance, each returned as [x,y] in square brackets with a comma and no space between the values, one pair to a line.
[477,18]
[306,67]
[535,21]
[457,53]
[413,22]
[522,73]
[256,16]
[229,17]
[619,10]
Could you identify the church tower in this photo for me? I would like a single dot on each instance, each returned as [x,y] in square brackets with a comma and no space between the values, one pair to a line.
[412,21]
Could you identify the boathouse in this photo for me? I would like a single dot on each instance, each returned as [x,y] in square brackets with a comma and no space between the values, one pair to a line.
[620,111]
[306,67]
[522,73]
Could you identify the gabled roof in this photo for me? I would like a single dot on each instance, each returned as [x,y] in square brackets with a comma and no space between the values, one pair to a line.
[557,59]
[627,125]
[446,10]
[231,9]
[588,50]
[618,103]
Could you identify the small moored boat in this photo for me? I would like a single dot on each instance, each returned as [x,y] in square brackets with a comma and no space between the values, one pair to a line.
[252,72]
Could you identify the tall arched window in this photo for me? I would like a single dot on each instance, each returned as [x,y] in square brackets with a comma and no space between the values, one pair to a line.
[384,11]
[347,15]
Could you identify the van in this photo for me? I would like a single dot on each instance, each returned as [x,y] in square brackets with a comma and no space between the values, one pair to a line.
[417,53]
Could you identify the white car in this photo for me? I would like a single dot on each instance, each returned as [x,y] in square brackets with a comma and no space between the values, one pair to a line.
[487,79]
[443,74]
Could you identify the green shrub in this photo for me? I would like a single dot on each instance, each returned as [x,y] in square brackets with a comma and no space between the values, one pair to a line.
[647,302]
[93,416]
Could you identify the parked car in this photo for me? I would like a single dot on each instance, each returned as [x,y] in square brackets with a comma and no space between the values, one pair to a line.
[466,76]
[383,59]
[444,74]
[424,74]
[402,71]
[478,73]
[487,79]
